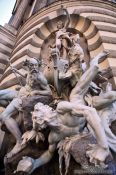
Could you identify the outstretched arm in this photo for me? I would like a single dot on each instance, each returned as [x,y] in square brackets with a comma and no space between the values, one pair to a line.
[17,71]
[46,157]
[28,164]
[36,163]
[45,91]
[65,75]
[64,107]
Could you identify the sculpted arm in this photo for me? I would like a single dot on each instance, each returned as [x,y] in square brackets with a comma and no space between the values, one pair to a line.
[64,107]
[45,91]
[68,18]
[44,88]
[65,75]
[18,72]
[45,157]
[28,164]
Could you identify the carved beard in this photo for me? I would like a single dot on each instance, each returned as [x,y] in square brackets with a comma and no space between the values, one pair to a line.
[42,126]
[39,124]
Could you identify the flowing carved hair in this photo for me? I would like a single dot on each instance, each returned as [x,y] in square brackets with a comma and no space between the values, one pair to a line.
[28,61]
[47,114]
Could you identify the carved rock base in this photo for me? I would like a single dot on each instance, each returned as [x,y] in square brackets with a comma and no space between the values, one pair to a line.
[52,168]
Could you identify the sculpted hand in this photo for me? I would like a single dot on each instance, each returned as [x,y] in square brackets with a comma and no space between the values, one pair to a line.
[25,165]
[32,93]
[63,8]
[36,92]
[27,136]
[97,155]
[13,69]
[30,135]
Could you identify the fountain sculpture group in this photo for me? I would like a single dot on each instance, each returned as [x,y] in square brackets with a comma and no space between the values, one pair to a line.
[78,110]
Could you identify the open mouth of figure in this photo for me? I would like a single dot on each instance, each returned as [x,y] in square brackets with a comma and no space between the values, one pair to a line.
[41,127]
[34,71]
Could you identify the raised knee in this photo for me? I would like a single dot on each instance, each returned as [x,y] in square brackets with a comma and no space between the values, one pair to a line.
[60,105]
[112,95]
[3,118]
[91,110]
[63,106]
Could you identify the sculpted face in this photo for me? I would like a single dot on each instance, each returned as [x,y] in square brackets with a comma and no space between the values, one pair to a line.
[74,54]
[40,116]
[60,25]
[75,39]
[33,66]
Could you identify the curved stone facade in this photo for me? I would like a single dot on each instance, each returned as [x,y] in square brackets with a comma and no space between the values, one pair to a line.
[95,20]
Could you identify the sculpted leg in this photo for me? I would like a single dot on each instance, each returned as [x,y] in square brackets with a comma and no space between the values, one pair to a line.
[4,103]
[111,138]
[99,151]
[64,47]
[7,94]
[12,126]
[104,105]
[95,122]
[104,100]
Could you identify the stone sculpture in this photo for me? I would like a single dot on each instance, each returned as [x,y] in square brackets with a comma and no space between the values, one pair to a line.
[81,104]
[36,86]
[65,122]
[7,95]
[70,68]
[62,36]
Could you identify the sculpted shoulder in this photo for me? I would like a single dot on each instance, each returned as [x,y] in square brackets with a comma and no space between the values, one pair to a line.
[42,78]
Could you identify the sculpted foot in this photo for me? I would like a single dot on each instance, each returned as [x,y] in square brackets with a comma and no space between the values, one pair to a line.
[97,154]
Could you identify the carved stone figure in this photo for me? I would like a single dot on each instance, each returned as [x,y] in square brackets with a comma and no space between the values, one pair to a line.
[75,57]
[62,36]
[7,95]
[65,121]
[104,104]
[70,69]
[75,115]
[36,86]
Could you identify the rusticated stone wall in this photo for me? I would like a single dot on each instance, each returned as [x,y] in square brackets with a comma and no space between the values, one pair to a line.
[7,41]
